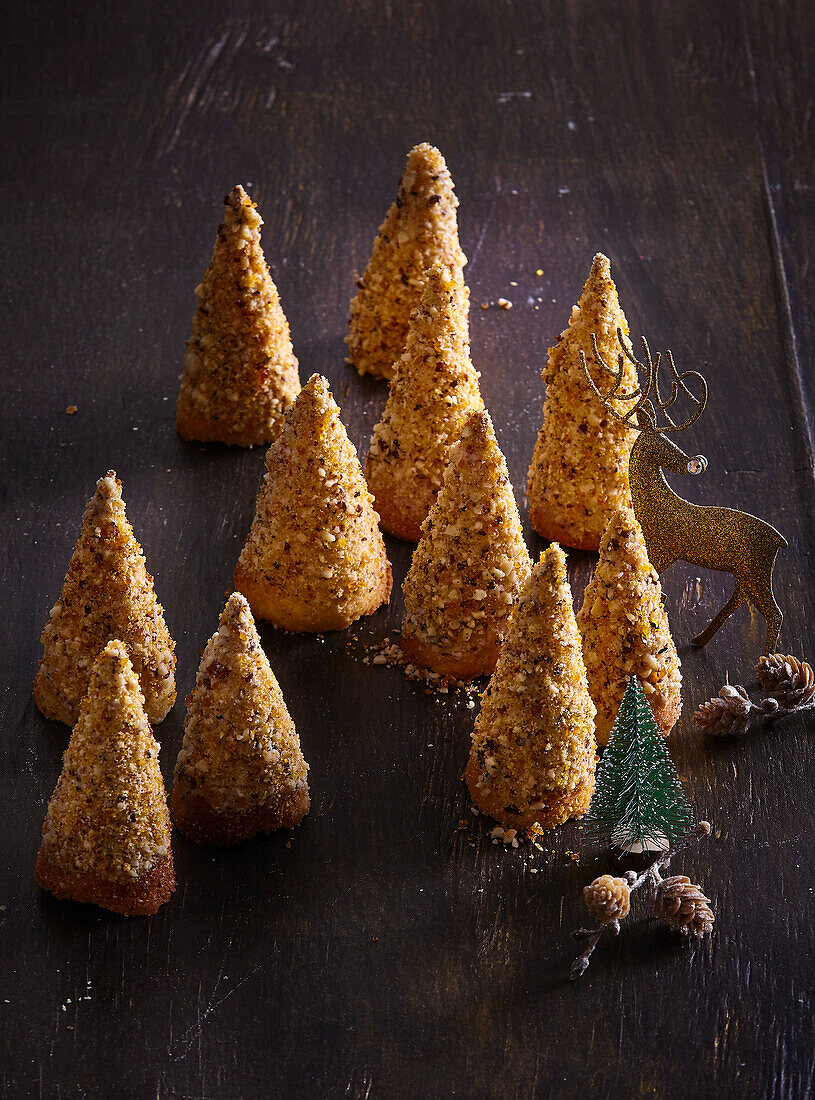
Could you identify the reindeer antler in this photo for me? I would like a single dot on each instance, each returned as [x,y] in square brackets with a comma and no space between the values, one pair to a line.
[649,406]
[677,384]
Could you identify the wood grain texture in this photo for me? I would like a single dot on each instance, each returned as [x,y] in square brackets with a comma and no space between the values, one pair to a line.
[380,951]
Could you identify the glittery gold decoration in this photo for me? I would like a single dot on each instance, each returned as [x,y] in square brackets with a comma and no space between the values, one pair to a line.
[675,529]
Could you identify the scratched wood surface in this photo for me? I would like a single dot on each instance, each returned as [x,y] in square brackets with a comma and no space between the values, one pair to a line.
[380,951]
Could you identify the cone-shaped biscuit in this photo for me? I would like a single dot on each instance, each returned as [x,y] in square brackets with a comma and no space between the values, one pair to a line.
[314,558]
[579,471]
[240,770]
[240,373]
[625,629]
[470,564]
[434,390]
[419,230]
[533,749]
[106,837]
[107,593]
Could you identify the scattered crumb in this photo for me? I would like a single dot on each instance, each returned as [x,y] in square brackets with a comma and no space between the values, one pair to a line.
[71,410]
[539,271]
[390,655]
[485,305]
[463,823]
[504,303]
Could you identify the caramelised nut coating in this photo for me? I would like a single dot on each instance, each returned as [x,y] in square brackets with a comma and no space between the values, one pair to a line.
[107,593]
[470,564]
[625,629]
[107,828]
[579,471]
[419,230]
[314,558]
[241,753]
[433,391]
[240,373]
[533,751]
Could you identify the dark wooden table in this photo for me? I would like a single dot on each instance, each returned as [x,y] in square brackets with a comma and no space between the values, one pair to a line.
[380,951]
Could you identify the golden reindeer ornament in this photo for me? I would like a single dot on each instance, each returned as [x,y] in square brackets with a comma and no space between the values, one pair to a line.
[676,530]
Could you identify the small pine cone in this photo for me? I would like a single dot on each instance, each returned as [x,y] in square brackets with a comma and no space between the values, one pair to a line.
[728,713]
[683,906]
[607,899]
[790,680]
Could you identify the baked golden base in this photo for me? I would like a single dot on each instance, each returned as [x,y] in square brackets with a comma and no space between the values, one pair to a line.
[398,521]
[141,898]
[460,666]
[199,429]
[287,610]
[199,821]
[559,807]
[55,706]
[549,529]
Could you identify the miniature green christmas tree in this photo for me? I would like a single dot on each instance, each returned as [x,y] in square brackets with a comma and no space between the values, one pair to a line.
[638,801]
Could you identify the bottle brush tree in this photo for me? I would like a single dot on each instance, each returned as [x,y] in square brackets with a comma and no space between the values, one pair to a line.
[638,801]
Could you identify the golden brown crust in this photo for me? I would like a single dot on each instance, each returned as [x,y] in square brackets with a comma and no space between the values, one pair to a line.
[433,391]
[533,748]
[420,228]
[558,807]
[196,428]
[141,898]
[199,821]
[51,701]
[314,558]
[291,613]
[579,469]
[548,528]
[461,665]
[107,593]
[471,561]
[625,629]
[402,519]
[240,373]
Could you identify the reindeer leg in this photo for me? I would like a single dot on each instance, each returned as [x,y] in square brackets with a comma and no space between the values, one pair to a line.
[772,613]
[773,630]
[736,600]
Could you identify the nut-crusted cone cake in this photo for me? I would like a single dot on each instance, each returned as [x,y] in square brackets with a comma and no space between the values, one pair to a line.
[579,472]
[419,230]
[470,564]
[240,373]
[106,837]
[240,770]
[432,393]
[533,750]
[107,593]
[625,629]
[314,558]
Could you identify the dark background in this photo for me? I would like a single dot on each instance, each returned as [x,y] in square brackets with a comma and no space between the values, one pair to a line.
[379,951]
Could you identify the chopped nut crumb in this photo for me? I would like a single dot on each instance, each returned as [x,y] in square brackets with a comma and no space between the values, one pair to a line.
[107,593]
[470,563]
[108,815]
[433,390]
[240,374]
[579,471]
[419,229]
[240,748]
[625,629]
[533,749]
